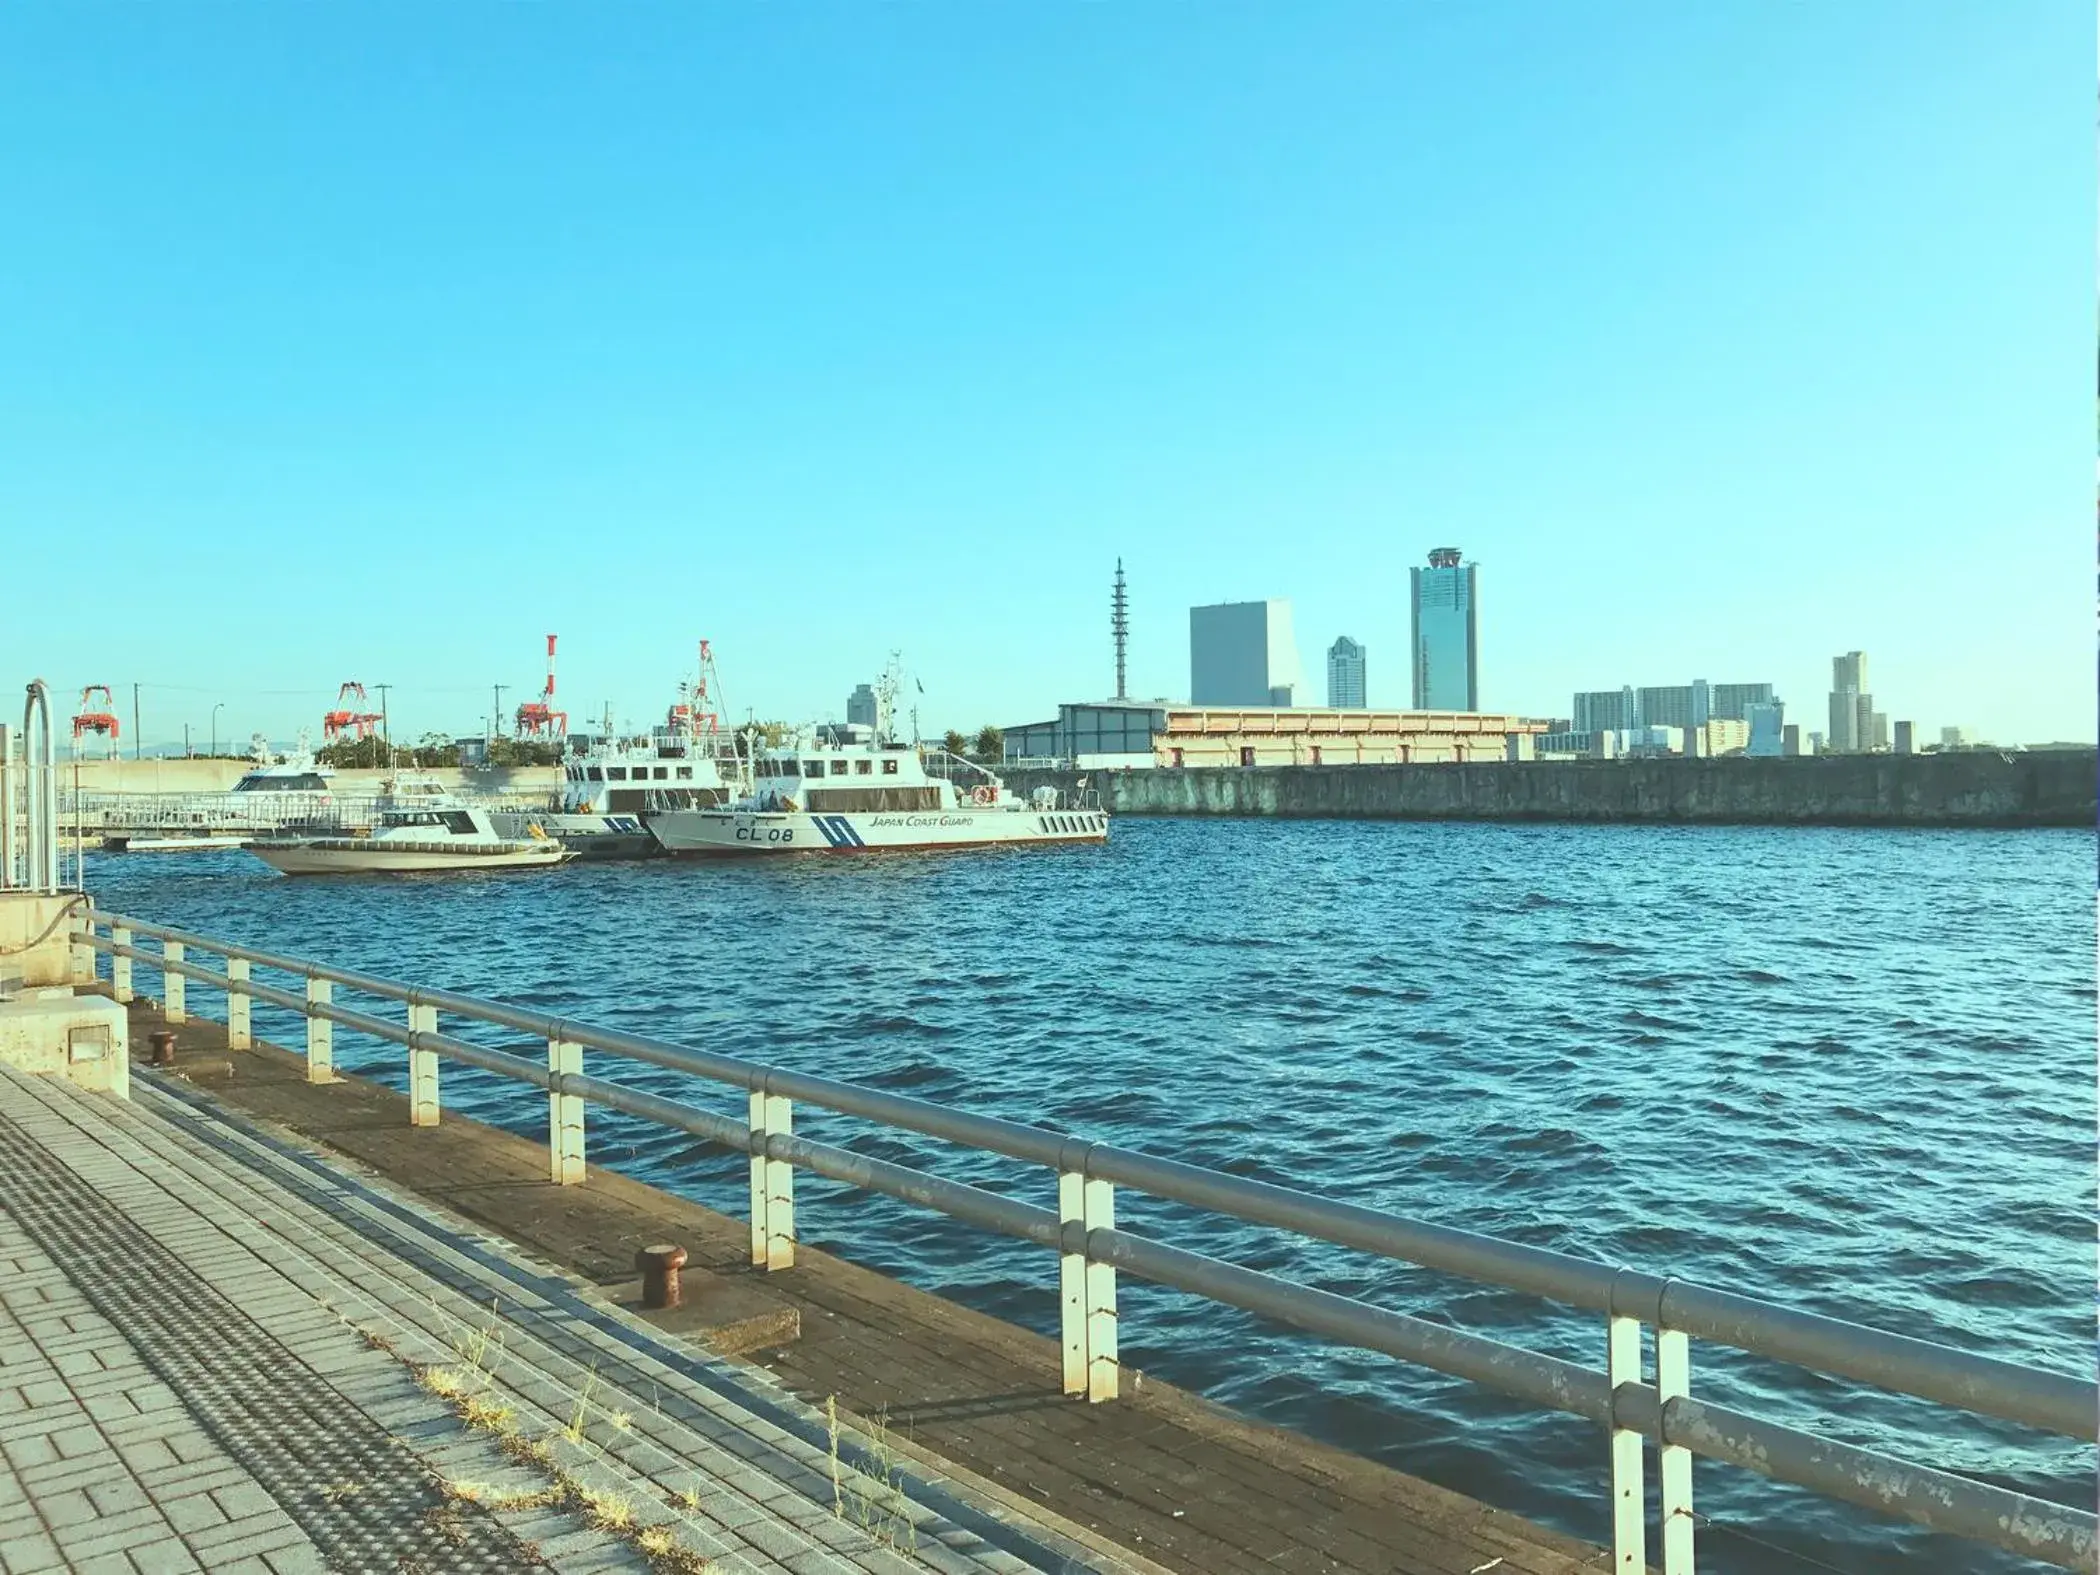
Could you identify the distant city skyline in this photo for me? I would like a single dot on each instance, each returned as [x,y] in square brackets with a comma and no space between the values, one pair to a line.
[350,372]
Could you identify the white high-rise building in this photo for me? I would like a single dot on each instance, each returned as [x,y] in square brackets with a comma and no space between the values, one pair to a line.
[1345,675]
[1243,653]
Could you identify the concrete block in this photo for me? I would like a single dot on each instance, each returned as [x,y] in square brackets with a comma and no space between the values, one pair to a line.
[85,1039]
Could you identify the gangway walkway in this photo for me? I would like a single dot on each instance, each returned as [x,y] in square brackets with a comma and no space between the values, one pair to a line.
[220,1351]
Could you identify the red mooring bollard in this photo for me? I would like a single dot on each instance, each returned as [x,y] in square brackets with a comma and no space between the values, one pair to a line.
[163,1041]
[660,1266]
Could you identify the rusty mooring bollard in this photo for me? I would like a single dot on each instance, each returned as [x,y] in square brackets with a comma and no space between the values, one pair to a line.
[660,1266]
[163,1040]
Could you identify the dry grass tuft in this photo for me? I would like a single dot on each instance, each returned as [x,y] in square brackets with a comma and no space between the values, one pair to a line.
[604,1510]
[487,1414]
[874,1500]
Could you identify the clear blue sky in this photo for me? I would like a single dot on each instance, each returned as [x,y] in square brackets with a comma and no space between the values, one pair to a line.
[375,341]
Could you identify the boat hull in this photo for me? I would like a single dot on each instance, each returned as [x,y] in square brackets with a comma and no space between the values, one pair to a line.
[587,836]
[198,844]
[291,858]
[729,832]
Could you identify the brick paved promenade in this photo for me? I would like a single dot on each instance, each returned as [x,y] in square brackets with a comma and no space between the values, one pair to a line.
[218,1351]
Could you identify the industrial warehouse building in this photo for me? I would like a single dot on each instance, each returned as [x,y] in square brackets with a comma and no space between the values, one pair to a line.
[1131,734]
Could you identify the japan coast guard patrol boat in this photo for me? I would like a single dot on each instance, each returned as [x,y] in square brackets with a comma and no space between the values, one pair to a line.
[848,795]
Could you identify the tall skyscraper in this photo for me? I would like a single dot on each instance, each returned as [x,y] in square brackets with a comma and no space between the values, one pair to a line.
[862,709]
[1444,633]
[1345,675]
[1851,706]
[1243,653]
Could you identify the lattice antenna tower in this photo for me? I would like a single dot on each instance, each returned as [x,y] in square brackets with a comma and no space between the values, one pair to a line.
[1119,627]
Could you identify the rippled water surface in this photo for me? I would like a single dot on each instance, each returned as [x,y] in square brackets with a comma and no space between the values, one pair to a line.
[1847,1070]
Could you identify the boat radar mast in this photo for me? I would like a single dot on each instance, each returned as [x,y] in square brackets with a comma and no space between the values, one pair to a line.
[886,688]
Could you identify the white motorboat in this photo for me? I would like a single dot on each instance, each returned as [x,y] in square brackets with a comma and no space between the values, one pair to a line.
[846,795]
[420,827]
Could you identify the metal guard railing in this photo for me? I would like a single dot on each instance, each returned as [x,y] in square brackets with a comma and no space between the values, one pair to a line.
[1636,1407]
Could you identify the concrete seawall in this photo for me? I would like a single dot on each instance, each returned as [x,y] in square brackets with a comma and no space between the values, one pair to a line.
[2046,788]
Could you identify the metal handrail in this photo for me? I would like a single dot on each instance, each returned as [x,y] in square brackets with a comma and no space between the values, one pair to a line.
[1675,1309]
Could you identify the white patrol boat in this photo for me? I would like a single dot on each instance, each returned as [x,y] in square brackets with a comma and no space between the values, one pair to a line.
[683,764]
[420,827]
[847,795]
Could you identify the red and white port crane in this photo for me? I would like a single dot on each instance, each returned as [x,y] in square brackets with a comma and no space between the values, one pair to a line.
[101,721]
[343,719]
[694,715]
[538,718]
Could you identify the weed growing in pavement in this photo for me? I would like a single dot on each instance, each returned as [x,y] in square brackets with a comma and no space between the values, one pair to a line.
[874,1500]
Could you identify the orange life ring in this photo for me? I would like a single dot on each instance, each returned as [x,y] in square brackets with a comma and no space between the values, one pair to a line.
[982,795]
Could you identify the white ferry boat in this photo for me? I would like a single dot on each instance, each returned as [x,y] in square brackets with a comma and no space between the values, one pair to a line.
[845,795]
[683,764]
[421,826]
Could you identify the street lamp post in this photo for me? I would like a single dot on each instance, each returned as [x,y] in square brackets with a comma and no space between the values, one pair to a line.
[215,710]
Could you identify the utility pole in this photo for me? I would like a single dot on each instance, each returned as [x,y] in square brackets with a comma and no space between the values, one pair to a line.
[384,733]
[1119,626]
[496,720]
[138,740]
[185,740]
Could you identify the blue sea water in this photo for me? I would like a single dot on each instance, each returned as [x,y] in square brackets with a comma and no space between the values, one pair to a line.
[1847,1070]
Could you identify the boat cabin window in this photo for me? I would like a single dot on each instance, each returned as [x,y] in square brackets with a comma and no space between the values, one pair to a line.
[685,773]
[408,817]
[889,767]
[784,768]
[459,822]
[863,768]
[298,782]
[839,768]
[814,769]
[616,773]
[597,774]
[662,772]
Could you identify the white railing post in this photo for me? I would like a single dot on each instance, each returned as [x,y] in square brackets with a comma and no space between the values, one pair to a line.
[1071,1277]
[80,966]
[174,988]
[237,1004]
[1087,1290]
[422,1069]
[772,1183]
[1629,1494]
[120,967]
[320,1032]
[1102,1370]
[1673,1381]
[564,1115]
[756,1120]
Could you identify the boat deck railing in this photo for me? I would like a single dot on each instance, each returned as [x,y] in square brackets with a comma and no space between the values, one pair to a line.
[261,813]
[1640,1397]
